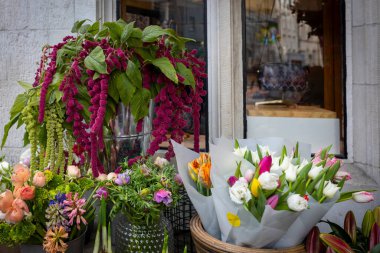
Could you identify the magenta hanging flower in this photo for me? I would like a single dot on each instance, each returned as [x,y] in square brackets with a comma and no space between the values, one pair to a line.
[265,164]
[163,196]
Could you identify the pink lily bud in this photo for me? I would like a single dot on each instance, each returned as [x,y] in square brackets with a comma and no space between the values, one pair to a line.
[272,201]
[232,180]
[363,197]
[249,175]
[342,174]
[265,164]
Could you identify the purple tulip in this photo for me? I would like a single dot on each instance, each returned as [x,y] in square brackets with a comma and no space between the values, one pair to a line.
[272,201]
[232,180]
[163,196]
[265,164]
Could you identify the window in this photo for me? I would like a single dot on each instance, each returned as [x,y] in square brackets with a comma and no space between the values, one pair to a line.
[187,17]
[294,71]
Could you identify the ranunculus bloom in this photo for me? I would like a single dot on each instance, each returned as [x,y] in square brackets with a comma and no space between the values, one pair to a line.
[232,180]
[6,200]
[14,215]
[363,197]
[314,172]
[25,192]
[297,203]
[73,171]
[161,162]
[342,174]
[239,192]
[163,196]
[265,164]
[248,175]
[268,181]
[102,177]
[272,201]
[21,204]
[39,179]
[111,176]
[291,173]
[330,189]
[21,174]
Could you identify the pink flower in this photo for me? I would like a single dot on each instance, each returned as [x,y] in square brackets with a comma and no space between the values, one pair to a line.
[73,171]
[163,196]
[331,162]
[74,209]
[178,179]
[21,174]
[316,160]
[39,179]
[6,200]
[232,180]
[101,193]
[363,197]
[14,215]
[249,175]
[342,174]
[19,203]
[265,164]
[272,201]
[24,192]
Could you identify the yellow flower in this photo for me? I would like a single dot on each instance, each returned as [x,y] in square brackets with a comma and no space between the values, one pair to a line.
[204,158]
[233,219]
[255,187]
[204,174]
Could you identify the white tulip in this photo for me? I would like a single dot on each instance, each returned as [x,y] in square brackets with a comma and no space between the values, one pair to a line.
[330,189]
[363,197]
[4,166]
[291,173]
[276,165]
[303,164]
[255,157]
[268,181]
[297,203]
[314,172]
[285,163]
[239,192]
[240,152]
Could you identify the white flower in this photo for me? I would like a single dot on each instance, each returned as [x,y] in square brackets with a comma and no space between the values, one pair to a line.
[25,157]
[255,156]
[291,173]
[239,192]
[303,164]
[111,176]
[268,181]
[73,171]
[297,203]
[330,189]
[240,151]
[161,162]
[285,163]
[3,166]
[2,215]
[102,177]
[266,151]
[276,166]
[314,172]
[249,175]
[363,197]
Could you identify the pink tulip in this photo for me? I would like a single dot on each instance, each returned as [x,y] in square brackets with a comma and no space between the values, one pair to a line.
[232,180]
[331,162]
[342,174]
[14,215]
[363,197]
[265,164]
[249,175]
[6,200]
[272,201]
[316,160]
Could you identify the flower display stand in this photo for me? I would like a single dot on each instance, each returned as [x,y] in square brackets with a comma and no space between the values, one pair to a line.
[204,243]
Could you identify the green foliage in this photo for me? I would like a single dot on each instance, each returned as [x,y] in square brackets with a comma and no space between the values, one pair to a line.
[19,233]
[96,61]
[5,230]
[166,68]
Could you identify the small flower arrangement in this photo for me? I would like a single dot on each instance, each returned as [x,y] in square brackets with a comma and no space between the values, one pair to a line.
[41,207]
[199,171]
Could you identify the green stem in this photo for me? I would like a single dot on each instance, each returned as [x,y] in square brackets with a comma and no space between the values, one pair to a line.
[308,182]
[109,250]
[104,223]
[322,199]
[97,237]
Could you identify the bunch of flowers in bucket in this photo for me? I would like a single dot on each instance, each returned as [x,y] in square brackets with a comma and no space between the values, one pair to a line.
[43,208]
[139,191]
[265,197]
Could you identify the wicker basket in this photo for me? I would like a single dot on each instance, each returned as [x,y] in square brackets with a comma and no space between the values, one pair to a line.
[204,243]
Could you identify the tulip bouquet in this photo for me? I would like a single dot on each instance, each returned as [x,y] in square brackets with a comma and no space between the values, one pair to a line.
[41,207]
[199,171]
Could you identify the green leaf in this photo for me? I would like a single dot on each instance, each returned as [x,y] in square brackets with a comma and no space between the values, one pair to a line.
[338,231]
[259,152]
[301,187]
[261,202]
[140,104]
[134,74]
[6,129]
[124,86]
[166,68]
[152,32]
[367,223]
[350,225]
[283,154]
[96,61]
[236,144]
[112,87]
[18,105]
[325,151]
[25,85]
[376,249]
[115,29]
[303,174]
[145,53]
[320,188]
[77,25]
[332,171]
[296,152]
[94,28]
[187,74]
[127,31]
[337,244]
[103,33]
[238,171]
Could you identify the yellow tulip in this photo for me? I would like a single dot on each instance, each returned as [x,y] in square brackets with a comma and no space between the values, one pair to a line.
[255,187]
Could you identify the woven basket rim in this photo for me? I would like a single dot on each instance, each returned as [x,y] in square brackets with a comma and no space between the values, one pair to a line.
[201,237]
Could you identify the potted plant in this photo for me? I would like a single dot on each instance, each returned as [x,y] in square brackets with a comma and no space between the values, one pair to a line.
[81,82]
[139,193]
[44,212]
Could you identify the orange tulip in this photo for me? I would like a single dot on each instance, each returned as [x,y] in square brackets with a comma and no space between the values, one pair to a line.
[204,174]
[6,200]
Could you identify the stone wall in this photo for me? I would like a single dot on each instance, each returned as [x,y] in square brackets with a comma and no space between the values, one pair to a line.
[25,26]
[365,58]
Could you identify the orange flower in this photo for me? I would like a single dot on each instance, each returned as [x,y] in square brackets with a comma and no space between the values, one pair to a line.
[21,174]
[14,215]
[204,158]
[193,167]
[204,174]
[6,200]
[53,241]
[24,192]
[21,204]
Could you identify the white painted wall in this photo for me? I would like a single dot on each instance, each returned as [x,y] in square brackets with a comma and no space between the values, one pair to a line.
[25,26]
